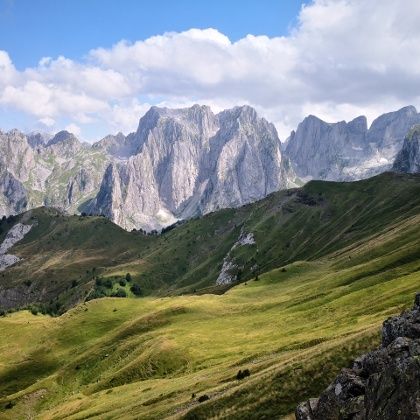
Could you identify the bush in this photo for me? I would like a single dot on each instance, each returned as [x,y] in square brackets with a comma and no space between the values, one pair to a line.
[107,283]
[243,374]
[98,282]
[34,310]
[120,293]
[136,289]
[203,398]
[2,312]
[122,283]
[9,405]
[128,277]
[27,283]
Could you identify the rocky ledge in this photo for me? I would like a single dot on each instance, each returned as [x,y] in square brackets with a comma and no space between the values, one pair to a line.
[383,384]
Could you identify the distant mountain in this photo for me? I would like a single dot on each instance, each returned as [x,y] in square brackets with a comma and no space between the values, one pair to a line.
[181,163]
[56,171]
[187,162]
[408,158]
[349,151]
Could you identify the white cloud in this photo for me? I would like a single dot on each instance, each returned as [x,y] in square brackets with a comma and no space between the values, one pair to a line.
[74,129]
[48,122]
[343,58]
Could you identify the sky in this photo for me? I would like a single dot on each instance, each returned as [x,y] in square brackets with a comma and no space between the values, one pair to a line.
[95,67]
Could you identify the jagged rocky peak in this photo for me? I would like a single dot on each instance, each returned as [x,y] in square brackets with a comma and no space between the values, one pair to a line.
[320,150]
[382,384]
[359,124]
[408,158]
[349,151]
[198,119]
[190,161]
[16,156]
[62,137]
[64,143]
[388,130]
[117,145]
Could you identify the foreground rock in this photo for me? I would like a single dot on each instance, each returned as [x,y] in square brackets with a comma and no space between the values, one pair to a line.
[383,384]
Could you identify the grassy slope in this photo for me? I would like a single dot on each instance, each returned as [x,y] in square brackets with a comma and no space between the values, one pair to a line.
[303,224]
[143,358]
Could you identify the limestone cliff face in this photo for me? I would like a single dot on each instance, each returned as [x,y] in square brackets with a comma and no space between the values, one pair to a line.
[383,384]
[191,161]
[408,159]
[349,151]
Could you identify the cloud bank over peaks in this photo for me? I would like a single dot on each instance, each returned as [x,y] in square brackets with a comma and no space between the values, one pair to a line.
[343,58]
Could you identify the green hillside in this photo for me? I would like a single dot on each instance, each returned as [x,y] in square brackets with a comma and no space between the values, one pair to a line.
[145,358]
[69,258]
[333,261]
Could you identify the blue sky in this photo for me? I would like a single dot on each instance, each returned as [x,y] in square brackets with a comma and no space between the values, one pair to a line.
[31,29]
[94,67]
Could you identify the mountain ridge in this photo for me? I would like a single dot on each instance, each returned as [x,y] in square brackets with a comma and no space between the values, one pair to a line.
[184,162]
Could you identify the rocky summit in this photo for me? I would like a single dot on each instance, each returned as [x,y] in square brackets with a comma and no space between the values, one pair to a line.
[188,162]
[349,151]
[383,384]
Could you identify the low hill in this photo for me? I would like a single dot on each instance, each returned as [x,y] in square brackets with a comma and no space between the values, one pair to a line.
[66,259]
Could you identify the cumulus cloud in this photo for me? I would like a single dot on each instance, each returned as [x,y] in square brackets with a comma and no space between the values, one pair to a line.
[73,128]
[343,58]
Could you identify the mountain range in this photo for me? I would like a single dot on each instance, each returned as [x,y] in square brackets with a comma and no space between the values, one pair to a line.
[182,163]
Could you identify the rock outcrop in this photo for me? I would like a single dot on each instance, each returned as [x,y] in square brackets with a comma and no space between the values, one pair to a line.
[15,234]
[408,159]
[349,151]
[383,384]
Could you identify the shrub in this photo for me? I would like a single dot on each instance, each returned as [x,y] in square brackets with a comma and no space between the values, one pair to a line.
[98,281]
[27,283]
[128,277]
[243,374]
[203,398]
[9,405]
[107,283]
[136,289]
[34,310]
[122,282]
[2,312]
